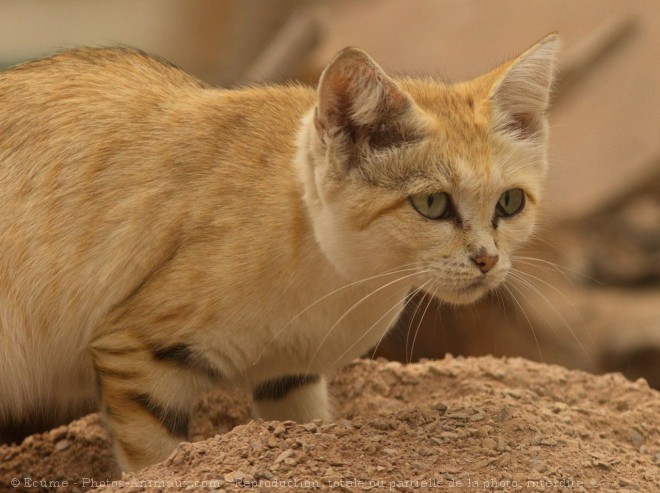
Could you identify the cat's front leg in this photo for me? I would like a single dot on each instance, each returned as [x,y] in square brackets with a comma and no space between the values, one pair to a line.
[300,398]
[146,404]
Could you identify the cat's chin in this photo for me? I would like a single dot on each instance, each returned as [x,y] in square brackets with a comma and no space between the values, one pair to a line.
[468,294]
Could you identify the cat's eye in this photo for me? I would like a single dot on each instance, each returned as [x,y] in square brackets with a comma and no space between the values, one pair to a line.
[432,205]
[511,202]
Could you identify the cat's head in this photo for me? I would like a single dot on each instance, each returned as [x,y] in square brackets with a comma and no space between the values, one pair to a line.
[409,173]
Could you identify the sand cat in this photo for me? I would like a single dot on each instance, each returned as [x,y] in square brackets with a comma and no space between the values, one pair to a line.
[159,237]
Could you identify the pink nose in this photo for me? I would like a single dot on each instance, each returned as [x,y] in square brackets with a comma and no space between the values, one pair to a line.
[485,262]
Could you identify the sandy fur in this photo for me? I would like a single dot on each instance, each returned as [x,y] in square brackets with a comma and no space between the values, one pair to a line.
[142,210]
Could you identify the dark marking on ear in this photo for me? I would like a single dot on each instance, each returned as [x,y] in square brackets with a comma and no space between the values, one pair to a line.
[388,135]
[278,388]
[178,353]
[175,422]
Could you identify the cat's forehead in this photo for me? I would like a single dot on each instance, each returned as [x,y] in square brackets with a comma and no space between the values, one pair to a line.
[455,119]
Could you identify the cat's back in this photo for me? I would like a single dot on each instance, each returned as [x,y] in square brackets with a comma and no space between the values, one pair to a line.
[92,69]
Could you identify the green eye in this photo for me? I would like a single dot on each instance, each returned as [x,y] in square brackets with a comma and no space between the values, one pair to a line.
[432,205]
[511,202]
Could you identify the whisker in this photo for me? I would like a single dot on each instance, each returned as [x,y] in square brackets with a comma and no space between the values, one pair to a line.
[412,318]
[355,305]
[412,347]
[566,298]
[558,313]
[538,347]
[411,295]
[558,267]
[397,270]
[356,342]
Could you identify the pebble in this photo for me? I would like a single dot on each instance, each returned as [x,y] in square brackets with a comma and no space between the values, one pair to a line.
[284,455]
[485,430]
[311,427]
[421,466]
[635,438]
[62,445]
[390,451]
[627,483]
[234,476]
[279,430]
[440,407]
[488,443]
[502,415]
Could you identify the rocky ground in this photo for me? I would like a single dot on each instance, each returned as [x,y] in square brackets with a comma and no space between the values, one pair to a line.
[458,424]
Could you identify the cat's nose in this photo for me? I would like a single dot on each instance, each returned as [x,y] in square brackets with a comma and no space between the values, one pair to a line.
[485,261]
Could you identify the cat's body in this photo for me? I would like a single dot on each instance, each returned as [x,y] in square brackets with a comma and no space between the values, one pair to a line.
[159,237]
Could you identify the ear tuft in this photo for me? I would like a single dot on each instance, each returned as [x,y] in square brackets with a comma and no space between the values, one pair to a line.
[356,98]
[521,95]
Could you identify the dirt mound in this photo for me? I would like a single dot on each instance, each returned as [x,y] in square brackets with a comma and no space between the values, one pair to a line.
[459,423]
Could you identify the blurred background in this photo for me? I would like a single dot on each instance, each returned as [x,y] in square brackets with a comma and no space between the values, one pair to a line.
[587,294]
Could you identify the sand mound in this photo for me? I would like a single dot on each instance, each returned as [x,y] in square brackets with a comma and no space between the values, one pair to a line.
[457,424]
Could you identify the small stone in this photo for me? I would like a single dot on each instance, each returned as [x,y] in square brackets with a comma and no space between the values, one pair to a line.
[488,443]
[485,430]
[62,445]
[421,466]
[234,476]
[284,455]
[502,415]
[477,417]
[440,407]
[558,407]
[627,483]
[279,430]
[390,451]
[311,427]
[635,438]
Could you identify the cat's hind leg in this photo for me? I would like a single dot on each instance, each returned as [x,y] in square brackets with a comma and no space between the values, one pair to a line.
[300,398]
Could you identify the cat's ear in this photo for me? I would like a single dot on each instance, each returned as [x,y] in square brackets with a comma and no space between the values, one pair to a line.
[358,101]
[521,94]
